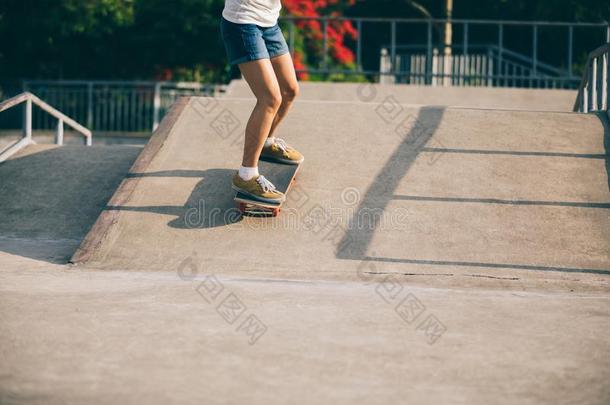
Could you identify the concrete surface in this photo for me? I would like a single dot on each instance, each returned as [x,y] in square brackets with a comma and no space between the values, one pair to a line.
[479,197]
[73,336]
[50,196]
[476,97]
[444,255]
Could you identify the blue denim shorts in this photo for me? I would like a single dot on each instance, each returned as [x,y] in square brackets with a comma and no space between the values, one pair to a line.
[248,42]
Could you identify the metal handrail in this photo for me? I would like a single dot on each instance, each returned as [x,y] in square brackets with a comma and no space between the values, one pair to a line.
[62,120]
[432,24]
[522,58]
[443,20]
[491,47]
[593,85]
[179,85]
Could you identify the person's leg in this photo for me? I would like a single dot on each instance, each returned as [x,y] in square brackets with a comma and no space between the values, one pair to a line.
[246,48]
[259,75]
[262,80]
[274,148]
[289,86]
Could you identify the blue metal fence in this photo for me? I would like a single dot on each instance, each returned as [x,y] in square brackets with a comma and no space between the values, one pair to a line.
[114,106]
[426,34]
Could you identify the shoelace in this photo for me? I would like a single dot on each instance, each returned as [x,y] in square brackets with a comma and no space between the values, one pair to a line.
[280,143]
[265,184]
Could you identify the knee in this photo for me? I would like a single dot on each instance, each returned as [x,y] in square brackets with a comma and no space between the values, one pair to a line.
[271,100]
[290,92]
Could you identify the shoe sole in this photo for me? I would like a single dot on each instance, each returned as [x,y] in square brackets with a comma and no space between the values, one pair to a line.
[281,160]
[255,197]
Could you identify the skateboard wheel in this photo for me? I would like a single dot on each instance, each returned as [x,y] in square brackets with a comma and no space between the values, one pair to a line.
[275,212]
[242,207]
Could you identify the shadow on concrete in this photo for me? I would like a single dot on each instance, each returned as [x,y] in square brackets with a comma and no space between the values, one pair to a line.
[483,265]
[356,241]
[504,202]
[210,204]
[515,153]
[50,197]
[361,229]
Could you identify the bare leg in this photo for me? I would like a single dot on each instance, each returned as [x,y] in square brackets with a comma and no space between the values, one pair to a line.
[289,86]
[261,78]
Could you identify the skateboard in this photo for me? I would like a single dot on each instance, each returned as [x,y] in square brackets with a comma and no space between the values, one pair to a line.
[281,175]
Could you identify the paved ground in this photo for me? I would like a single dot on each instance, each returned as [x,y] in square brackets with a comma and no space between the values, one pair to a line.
[448,255]
[475,97]
[81,336]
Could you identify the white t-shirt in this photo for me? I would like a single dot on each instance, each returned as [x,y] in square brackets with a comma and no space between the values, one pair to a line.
[260,12]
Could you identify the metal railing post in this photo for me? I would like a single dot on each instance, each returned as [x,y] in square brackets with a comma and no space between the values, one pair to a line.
[584,104]
[465,39]
[599,83]
[27,125]
[570,50]
[593,93]
[157,106]
[90,106]
[604,82]
[429,55]
[393,47]
[59,135]
[607,85]
[500,49]
[535,51]
[489,73]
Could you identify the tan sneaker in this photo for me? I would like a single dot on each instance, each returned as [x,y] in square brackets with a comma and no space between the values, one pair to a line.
[281,152]
[259,188]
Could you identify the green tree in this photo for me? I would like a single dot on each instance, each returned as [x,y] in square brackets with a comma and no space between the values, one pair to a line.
[45,38]
[106,39]
[179,39]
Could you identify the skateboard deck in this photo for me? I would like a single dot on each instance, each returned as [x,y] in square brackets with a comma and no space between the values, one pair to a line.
[281,175]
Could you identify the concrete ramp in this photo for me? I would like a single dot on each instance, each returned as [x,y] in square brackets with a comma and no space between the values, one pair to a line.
[474,97]
[453,196]
[51,195]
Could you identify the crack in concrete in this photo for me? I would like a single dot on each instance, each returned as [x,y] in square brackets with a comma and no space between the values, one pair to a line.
[444,274]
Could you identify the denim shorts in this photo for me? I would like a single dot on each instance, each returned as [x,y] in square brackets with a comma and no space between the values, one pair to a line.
[248,42]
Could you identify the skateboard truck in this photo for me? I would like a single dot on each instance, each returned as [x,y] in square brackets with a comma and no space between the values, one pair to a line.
[257,210]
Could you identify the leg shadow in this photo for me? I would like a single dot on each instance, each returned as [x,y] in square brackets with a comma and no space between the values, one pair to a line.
[210,204]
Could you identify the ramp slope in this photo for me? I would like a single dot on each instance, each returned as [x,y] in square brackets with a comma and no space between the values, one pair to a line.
[464,196]
[473,97]
[50,196]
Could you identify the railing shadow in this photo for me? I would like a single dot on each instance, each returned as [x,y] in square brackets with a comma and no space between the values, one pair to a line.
[362,227]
